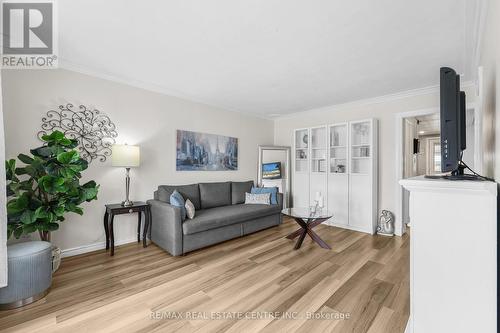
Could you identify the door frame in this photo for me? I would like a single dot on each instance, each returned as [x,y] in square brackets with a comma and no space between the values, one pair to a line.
[400,228]
[429,152]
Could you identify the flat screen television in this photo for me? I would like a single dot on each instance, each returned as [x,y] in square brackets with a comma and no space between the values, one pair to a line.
[453,143]
[271,170]
[452,107]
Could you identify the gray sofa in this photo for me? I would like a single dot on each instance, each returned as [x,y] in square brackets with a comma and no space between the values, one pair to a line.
[220,215]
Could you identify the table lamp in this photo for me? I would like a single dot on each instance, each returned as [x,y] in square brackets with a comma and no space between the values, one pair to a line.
[127,157]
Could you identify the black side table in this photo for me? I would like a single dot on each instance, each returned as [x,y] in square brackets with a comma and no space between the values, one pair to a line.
[117,209]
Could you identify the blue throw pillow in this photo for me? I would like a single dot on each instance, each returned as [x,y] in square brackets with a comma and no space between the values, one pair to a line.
[177,200]
[272,190]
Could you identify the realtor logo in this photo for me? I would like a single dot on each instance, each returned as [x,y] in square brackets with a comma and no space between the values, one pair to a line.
[28,34]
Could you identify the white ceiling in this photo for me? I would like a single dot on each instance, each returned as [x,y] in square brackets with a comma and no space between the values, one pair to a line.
[267,57]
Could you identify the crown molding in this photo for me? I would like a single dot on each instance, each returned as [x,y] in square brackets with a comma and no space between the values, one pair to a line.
[272,117]
[375,100]
[66,65]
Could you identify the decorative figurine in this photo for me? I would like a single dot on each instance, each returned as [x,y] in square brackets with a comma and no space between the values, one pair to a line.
[386,224]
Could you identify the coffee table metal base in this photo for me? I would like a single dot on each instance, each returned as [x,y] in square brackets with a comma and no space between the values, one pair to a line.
[306,226]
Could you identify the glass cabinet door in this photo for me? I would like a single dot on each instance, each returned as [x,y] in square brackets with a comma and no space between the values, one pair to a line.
[338,148]
[318,149]
[301,150]
[361,149]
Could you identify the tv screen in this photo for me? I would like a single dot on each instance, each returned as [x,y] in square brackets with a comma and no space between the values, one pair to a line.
[452,107]
[271,170]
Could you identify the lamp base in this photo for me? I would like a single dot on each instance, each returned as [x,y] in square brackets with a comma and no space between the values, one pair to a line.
[127,203]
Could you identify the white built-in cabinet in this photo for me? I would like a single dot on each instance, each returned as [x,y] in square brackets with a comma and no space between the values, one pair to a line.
[319,161]
[301,168]
[340,162]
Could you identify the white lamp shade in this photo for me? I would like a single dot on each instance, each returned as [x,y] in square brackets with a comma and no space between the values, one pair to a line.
[125,156]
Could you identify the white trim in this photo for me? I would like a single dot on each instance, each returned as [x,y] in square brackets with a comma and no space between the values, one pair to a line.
[63,64]
[399,226]
[349,227]
[478,123]
[375,100]
[479,22]
[408,328]
[431,142]
[93,247]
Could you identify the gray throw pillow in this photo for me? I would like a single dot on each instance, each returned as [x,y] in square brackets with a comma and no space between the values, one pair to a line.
[258,199]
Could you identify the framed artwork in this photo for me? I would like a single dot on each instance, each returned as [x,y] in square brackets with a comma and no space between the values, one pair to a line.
[206,152]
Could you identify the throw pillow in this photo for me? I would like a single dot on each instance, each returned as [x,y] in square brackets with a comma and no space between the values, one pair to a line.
[189,209]
[272,190]
[258,198]
[177,200]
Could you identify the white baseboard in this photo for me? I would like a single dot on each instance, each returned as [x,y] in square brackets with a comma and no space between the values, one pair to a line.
[350,227]
[92,247]
[408,326]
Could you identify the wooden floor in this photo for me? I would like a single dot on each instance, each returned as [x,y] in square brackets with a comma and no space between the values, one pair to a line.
[361,285]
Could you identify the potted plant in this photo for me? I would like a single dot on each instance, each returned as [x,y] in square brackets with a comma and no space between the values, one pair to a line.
[46,188]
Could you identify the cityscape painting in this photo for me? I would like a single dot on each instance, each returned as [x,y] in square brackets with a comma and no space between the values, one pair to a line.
[206,152]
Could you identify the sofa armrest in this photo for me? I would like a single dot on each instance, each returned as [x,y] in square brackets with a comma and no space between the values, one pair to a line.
[166,226]
[280,200]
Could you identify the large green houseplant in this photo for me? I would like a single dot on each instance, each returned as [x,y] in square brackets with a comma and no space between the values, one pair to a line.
[47,187]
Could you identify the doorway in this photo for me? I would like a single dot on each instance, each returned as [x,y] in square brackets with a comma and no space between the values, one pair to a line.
[421,151]
[418,151]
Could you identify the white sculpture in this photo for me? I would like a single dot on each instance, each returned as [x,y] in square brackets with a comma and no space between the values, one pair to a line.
[386,224]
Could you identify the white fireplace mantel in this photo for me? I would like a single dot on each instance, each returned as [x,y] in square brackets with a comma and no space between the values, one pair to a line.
[453,255]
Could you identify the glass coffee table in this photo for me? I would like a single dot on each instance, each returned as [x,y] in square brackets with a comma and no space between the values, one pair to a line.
[307,220]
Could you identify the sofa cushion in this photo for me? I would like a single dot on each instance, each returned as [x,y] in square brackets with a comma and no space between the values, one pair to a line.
[212,218]
[238,190]
[191,192]
[215,194]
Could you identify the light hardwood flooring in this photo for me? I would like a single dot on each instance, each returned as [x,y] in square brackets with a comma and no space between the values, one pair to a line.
[363,278]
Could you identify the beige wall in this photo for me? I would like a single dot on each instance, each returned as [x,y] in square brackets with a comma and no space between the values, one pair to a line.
[489,60]
[385,113]
[141,117]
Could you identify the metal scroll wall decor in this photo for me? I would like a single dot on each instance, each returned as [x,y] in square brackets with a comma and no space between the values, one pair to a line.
[95,132]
